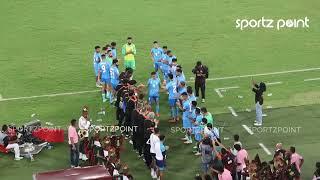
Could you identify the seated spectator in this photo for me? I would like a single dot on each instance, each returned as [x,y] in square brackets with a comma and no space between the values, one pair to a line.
[9,144]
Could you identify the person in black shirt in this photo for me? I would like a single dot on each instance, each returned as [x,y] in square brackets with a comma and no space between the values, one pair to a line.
[258,90]
[202,73]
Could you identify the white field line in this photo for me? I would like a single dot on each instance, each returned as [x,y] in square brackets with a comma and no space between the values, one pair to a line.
[313,79]
[247,129]
[48,95]
[265,148]
[233,112]
[224,88]
[219,93]
[0,96]
[210,79]
[264,74]
[273,83]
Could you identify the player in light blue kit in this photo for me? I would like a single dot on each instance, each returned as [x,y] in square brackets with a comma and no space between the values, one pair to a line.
[96,61]
[171,87]
[114,78]
[154,91]
[186,117]
[104,77]
[156,56]
[180,76]
[114,50]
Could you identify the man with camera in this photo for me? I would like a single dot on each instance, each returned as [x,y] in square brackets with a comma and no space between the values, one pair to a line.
[202,73]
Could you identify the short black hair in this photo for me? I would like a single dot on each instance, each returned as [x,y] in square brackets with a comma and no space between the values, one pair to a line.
[164,47]
[198,111]
[162,137]
[103,55]
[96,47]
[204,109]
[189,90]
[209,125]
[237,147]
[179,70]
[155,42]
[153,73]
[174,59]
[199,63]
[156,130]
[115,61]
[207,177]
[236,137]
[184,94]
[170,76]
[194,103]
[169,51]
[4,128]
[113,43]
[129,38]
[73,122]
[204,120]
[104,48]
[179,66]
[223,151]
[183,83]
[292,149]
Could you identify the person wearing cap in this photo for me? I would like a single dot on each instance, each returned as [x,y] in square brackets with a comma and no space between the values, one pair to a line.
[202,73]
[129,51]
[258,90]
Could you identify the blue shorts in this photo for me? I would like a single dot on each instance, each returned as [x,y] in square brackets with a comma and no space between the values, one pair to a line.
[172,102]
[96,68]
[186,123]
[153,99]
[105,81]
[160,164]
[156,66]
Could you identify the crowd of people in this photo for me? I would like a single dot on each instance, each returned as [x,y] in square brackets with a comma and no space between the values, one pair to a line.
[134,109]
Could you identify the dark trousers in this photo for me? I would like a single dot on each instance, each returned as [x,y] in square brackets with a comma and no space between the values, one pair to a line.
[74,155]
[240,176]
[202,86]
[120,116]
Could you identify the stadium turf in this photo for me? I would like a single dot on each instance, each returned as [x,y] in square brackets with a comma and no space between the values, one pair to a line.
[46,48]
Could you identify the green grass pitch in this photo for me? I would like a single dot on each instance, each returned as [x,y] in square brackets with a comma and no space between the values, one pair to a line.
[46,48]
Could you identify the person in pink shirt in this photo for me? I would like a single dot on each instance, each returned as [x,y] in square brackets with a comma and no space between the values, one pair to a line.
[223,173]
[241,158]
[296,159]
[73,140]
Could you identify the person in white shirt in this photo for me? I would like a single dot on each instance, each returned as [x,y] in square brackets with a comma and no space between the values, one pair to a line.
[6,142]
[84,125]
[154,139]
[211,132]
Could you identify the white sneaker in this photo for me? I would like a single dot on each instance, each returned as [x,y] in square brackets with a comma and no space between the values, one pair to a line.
[184,139]
[130,142]
[198,154]
[188,142]
[84,157]
[257,124]
[153,173]
[195,147]
[72,166]
[203,100]
[98,85]
[18,158]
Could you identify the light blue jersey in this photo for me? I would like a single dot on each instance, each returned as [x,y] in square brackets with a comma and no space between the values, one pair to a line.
[192,97]
[96,58]
[154,87]
[172,89]
[182,90]
[114,53]
[181,78]
[187,113]
[114,75]
[157,54]
[170,59]
[104,68]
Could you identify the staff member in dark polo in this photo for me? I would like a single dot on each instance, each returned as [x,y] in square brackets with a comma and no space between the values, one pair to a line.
[202,73]
[258,90]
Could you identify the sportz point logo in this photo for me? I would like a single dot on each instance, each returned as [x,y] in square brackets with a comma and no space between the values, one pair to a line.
[271,23]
